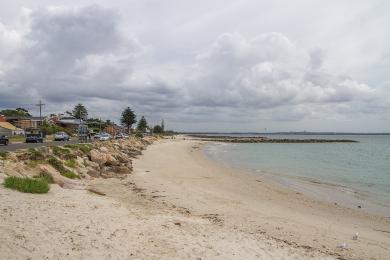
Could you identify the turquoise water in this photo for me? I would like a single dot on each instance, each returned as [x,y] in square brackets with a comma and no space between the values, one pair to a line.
[363,166]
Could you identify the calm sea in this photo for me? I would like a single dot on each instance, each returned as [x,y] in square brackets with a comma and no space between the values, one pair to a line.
[359,170]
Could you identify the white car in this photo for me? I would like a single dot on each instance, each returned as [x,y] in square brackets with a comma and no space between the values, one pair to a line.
[105,137]
[61,136]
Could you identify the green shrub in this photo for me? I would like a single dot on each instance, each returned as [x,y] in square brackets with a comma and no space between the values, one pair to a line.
[3,154]
[62,153]
[139,135]
[35,155]
[84,148]
[58,165]
[70,175]
[45,176]
[27,184]
[33,163]
[71,163]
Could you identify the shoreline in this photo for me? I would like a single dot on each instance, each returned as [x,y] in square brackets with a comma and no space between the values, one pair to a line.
[243,197]
[342,194]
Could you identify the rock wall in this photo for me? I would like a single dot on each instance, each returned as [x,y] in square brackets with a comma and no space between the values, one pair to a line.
[71,165]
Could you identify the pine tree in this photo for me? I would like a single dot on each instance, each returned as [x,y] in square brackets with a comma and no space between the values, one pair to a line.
[128,118]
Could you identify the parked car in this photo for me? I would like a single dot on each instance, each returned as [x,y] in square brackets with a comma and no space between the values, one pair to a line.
[34,136]
[96,136]
[61,136]
[105,137]
[119,136]
[4,140]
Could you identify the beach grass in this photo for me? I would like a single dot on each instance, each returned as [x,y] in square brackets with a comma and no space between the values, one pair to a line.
[3,154]
[27,185]
[59,166]
[71,163]
[45,176]
[84,148]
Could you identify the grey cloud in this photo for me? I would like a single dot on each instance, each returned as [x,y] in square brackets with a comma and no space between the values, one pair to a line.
[89,54]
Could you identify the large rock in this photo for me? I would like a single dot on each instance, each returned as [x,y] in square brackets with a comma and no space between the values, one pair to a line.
[98,157]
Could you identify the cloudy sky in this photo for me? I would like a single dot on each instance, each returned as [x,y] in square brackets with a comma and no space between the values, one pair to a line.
[205,65]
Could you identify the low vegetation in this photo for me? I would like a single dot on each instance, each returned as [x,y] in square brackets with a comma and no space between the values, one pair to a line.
[3,155]
[84,148]
[63,153]
[28,185]
[45,176]
[35,154]
[58,165]
[71,163]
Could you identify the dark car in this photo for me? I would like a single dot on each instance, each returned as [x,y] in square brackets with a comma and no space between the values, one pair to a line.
[34,136]
[4,140]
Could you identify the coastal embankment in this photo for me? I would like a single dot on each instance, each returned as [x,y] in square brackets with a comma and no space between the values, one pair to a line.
[172,202]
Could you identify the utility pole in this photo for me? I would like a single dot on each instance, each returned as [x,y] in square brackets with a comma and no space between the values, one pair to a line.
[40,105]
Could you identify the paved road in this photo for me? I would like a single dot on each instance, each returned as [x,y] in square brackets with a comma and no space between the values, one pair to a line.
[17,146]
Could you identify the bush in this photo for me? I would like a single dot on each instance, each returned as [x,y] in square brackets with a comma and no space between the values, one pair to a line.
[84,148]
[71,163]
[57,164]
[3,154]
[27,184]
[62,153]
[139,135]
[46,177]
[35,155]
[70,175]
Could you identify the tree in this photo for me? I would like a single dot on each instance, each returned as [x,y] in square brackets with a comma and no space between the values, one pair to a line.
[19,112]
[80,112]
[157,129]
[128,118]
[142,125]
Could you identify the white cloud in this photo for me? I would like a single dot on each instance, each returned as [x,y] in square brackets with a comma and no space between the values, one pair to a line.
[92,54]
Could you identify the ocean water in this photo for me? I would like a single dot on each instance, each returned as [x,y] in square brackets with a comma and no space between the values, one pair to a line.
[360,169]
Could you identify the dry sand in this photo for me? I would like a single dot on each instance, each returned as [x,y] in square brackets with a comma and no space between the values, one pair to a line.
[180,205]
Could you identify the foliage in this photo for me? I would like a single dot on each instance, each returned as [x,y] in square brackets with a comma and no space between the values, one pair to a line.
[80,112]
[157,129]
[142,125]
[71,163]
[139,134]
[49,129]
[84,148]
[35,155]
[45,176]
[3,154]
[18,112]
[27,184]
[96,124]
[58,165]
[34,163]
[128,118]
[70,175]
[62,153]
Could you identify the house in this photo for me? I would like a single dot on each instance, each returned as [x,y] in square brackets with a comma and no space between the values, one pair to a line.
[25,122]
[7,129]
[67,122]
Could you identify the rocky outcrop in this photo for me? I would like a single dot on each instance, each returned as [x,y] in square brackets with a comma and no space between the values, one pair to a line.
[71,164]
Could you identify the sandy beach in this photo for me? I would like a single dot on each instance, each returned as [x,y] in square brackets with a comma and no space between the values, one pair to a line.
[178,204]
